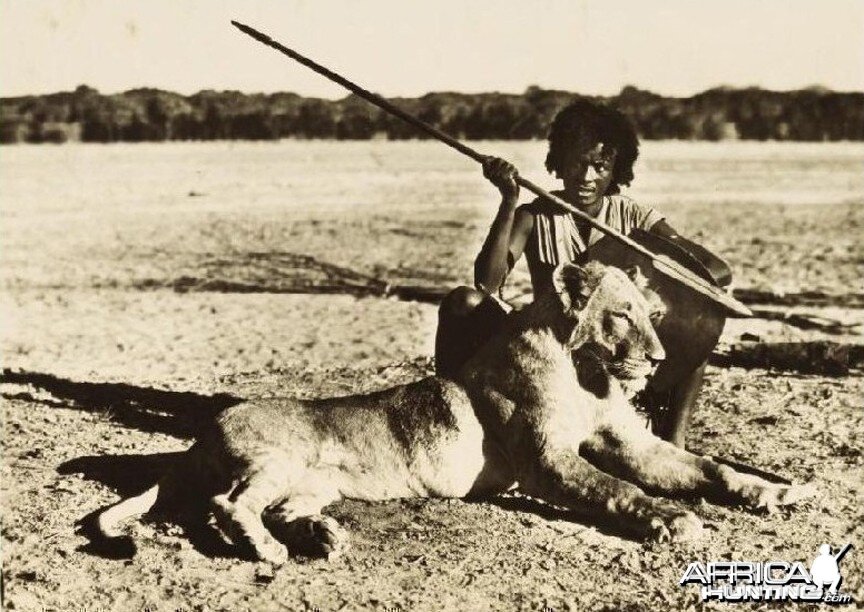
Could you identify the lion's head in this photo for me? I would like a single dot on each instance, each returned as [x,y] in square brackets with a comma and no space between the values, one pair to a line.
[613,313]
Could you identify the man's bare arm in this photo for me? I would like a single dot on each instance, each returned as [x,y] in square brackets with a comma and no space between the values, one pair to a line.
[509,231]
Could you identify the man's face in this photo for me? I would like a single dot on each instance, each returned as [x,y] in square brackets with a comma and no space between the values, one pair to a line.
[586,172]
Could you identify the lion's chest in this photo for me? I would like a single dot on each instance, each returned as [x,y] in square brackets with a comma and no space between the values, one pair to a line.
[531,388]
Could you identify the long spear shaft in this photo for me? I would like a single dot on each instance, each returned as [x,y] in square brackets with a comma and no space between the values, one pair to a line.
[843,551]
[664,265]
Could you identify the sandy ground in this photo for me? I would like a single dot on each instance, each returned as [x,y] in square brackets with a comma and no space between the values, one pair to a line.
[108,368]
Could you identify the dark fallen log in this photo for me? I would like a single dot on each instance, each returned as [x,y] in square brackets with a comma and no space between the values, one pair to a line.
[364,286]
[803,298]
[818,357]
[418,293]
[806,321]
[188,284]
[287,272]
[409,293]
[329,279]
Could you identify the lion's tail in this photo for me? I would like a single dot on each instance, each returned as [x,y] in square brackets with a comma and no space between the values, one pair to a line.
[107,521]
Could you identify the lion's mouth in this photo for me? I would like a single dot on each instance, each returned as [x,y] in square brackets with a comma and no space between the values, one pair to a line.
[631,369]
[631,374]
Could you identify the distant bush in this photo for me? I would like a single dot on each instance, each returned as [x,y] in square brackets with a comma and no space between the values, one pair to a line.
[154,115]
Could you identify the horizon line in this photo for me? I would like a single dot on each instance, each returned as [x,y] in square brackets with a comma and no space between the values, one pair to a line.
[812,87]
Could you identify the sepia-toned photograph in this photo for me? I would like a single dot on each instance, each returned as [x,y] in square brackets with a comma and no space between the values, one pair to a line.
[543,305]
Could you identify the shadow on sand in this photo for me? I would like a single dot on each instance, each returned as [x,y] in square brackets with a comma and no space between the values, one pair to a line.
[131,475]
[529,505]
[183,415]
[178,414]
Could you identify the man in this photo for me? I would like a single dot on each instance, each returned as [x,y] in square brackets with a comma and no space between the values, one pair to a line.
[592,150]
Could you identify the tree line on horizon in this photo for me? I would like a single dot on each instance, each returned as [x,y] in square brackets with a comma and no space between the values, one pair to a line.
[138,115]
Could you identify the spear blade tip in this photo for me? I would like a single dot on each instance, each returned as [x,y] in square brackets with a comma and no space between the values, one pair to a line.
[250,31]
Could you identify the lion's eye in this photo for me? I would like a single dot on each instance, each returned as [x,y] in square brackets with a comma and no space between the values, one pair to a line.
[656,316]
[623,315]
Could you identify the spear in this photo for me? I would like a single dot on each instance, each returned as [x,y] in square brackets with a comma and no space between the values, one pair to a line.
[662,264]
[843,551]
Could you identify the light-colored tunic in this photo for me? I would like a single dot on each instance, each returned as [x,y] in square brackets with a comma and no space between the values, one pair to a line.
[555,236]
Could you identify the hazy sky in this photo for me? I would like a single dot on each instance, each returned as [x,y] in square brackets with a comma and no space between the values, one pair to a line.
[674,47]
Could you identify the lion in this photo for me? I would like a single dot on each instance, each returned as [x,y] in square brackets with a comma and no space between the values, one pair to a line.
[544,405]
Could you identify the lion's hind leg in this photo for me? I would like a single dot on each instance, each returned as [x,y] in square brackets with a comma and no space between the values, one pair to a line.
[639,457]
[239,514]
[298,523]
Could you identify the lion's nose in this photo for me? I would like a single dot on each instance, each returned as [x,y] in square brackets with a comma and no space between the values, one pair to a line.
[656,354]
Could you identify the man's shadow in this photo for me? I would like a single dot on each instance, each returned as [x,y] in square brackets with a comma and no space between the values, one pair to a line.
[179,414]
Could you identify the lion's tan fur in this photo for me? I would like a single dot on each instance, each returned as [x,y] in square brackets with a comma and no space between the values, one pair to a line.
[543,405]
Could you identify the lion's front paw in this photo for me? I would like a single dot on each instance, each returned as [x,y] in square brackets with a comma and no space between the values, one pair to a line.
[331,539]
[758,493]
[770,496]
[268,549]
[315,536]
[679,527]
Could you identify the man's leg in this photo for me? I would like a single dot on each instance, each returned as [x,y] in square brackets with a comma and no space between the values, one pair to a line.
[467,318]
[671,421]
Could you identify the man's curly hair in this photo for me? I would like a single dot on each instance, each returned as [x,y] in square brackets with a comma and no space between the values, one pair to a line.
[582,123]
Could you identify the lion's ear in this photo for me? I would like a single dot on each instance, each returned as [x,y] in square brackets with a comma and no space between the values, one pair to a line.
[636,276]
[570,282]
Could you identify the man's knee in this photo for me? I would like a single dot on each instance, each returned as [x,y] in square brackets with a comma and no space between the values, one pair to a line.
[461,302]
[467,318]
